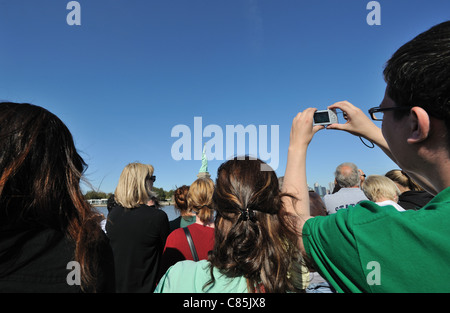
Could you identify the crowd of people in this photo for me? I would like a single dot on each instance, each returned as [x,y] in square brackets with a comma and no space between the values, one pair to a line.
[245,232]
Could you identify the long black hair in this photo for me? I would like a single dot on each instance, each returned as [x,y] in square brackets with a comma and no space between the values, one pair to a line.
[40,172]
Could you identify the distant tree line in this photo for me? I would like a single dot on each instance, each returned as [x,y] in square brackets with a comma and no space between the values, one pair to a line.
[97,195]
[161,194]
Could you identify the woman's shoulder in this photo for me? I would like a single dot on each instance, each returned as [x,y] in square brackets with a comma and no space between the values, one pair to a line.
[189,276]
[188,265]
[184,276]
[176,234]
[150,212]
[195,227]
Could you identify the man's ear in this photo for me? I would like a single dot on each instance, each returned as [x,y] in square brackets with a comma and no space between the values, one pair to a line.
[419,125]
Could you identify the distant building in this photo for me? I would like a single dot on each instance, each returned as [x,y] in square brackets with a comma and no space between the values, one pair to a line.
[322,191]
[331,186]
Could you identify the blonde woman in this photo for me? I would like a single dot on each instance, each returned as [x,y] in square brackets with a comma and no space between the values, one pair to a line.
[199,200]
[382,191]
[137,230]
[412,196]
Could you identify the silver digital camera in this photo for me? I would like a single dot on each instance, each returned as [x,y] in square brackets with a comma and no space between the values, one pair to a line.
[325,117]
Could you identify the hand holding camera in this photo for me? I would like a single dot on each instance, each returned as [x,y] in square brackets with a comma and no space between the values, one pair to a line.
[357,123]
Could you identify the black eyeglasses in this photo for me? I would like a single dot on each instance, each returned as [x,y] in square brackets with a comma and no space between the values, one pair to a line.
[377,113]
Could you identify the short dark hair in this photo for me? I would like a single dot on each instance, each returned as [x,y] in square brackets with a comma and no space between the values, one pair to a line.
[418,74]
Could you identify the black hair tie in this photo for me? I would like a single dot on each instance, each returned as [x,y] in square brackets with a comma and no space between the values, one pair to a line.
[247,214]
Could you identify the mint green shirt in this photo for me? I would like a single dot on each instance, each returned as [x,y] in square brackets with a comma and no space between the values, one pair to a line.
[191,277]
[368,248]
[187,220]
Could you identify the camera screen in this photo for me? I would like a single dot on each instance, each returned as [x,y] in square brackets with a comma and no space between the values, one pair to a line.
[321,117]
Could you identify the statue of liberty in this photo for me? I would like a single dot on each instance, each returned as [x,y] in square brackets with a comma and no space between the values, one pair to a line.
[203,172]
[204,168]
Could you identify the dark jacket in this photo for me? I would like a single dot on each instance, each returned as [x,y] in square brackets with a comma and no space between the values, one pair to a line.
[414,200]
[37,259]
[137,237]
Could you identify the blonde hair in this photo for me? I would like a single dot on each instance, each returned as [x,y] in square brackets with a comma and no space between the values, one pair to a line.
[134,186]
[401,178]
[199,198]
[377,187]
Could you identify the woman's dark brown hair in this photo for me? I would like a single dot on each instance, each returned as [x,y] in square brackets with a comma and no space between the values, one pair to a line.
[254,237]
[40,172]
[180,198]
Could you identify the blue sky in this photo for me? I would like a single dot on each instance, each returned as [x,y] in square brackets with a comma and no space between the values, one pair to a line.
[134,69]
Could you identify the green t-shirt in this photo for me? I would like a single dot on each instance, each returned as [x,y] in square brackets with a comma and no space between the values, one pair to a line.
[191,277]
[370,248]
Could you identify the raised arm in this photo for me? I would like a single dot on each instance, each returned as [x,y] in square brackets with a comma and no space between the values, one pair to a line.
[295,183]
